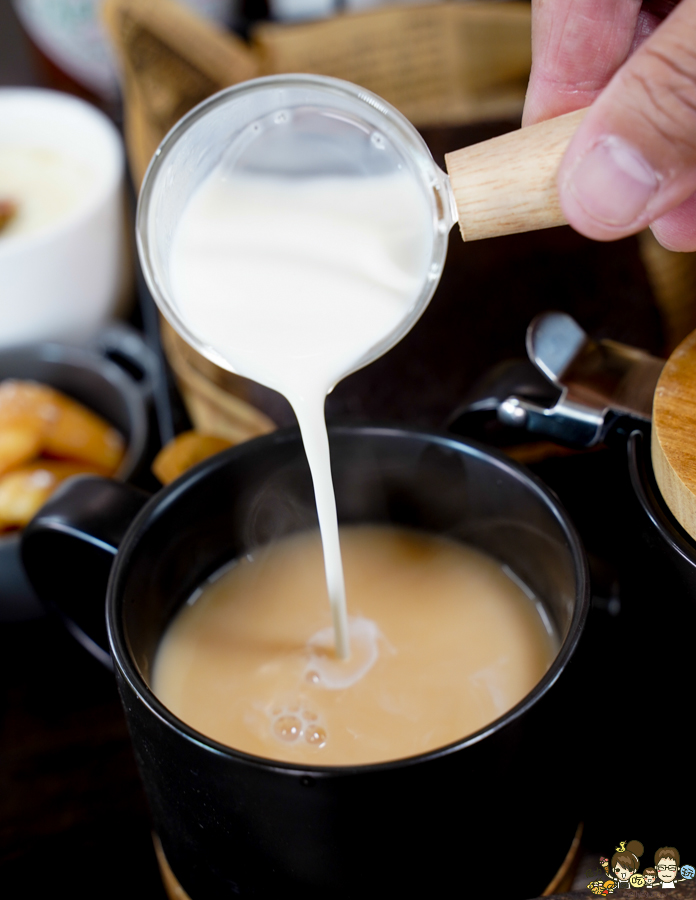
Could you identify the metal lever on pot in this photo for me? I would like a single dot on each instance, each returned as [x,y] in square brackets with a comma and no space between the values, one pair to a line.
[604,386]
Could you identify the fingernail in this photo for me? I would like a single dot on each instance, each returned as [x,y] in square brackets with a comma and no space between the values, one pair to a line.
[612,182]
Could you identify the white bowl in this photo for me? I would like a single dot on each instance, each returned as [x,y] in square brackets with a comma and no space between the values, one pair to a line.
[62,280]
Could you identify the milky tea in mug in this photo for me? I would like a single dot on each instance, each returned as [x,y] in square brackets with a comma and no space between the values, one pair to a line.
[444,640]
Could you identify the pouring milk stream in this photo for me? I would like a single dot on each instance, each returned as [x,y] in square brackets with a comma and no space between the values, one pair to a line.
[294,228]
[292,283]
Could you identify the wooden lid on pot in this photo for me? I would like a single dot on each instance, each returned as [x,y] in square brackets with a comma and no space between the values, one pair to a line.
[674,434]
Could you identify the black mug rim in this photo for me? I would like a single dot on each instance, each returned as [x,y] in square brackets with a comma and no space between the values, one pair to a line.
[128,670]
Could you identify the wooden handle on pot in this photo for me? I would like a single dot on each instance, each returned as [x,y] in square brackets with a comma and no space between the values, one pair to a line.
[508,184]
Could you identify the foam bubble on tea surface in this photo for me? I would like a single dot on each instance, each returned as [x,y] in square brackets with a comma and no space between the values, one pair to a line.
[443,643]
[293,282]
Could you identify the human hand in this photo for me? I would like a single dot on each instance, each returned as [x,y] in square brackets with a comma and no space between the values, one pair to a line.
[632,161]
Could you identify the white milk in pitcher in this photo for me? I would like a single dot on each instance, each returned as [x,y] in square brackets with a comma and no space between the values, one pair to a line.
[293,283]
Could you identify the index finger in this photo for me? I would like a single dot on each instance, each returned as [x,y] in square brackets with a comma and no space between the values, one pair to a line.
[577,46]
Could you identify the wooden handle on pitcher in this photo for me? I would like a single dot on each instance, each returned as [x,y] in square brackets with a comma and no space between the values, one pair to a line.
[508,184]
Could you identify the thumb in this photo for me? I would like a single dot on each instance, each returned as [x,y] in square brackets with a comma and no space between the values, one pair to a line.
[633,158]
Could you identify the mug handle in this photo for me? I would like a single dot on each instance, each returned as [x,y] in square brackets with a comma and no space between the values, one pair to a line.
[68,550]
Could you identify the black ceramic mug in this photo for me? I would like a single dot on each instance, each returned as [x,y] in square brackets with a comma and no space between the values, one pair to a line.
[494,809]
